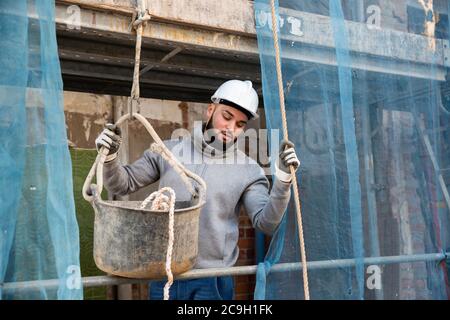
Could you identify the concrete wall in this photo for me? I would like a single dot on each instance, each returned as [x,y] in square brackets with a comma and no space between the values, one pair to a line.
[86,115]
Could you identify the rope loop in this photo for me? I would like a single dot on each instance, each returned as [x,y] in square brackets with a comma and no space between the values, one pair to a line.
[163,202]
[140,18]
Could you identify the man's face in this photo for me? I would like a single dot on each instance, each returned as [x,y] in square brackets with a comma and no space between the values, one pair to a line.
[228,122]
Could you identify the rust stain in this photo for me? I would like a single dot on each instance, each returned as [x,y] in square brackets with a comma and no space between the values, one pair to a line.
[184,107]
[430,23]
[216,37]
[82,129]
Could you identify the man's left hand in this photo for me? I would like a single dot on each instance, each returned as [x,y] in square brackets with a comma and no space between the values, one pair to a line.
[287,158]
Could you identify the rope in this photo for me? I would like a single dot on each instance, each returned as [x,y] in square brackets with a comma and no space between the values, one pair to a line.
[159,200]
[140,18]
[162,202]
[173,163]
[285,134]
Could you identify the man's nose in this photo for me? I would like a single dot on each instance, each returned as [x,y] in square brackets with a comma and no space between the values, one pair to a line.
[230,126]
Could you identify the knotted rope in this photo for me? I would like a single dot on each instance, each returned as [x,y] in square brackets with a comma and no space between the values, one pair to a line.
[158,199]
[162,202]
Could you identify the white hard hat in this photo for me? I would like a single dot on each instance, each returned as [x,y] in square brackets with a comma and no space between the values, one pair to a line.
[238,94]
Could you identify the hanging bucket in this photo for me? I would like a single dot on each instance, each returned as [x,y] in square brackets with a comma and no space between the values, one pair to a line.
[132,242]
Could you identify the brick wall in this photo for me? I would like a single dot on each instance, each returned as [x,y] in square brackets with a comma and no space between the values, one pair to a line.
[409,235]
[245,285]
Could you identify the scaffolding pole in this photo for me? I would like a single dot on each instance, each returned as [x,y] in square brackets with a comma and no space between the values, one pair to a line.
[99,281]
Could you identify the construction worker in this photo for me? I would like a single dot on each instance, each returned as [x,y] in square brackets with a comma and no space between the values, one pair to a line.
[229,186]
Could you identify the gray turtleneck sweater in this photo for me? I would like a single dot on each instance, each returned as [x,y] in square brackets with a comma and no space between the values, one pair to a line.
[233,180]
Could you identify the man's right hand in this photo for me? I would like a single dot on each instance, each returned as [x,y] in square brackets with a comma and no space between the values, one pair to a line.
[110,138]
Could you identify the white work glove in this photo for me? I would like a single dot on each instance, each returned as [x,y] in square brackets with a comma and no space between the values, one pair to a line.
[110,138]
[286,158]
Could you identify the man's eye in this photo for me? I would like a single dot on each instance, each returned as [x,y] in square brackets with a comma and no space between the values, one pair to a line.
[227,117]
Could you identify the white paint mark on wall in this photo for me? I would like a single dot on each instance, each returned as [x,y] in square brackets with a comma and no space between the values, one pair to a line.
[87,124]
[296,26]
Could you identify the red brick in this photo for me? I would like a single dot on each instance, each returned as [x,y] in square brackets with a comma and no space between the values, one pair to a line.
[250,233]
[244,262]
[246,278]
[245,290]
[243,297]
[420,284]
[242,287]
[244,221]
[241,232]
[246,243]
[241,279]
[406,283]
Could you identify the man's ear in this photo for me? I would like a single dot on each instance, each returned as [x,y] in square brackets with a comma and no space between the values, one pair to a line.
[209,111]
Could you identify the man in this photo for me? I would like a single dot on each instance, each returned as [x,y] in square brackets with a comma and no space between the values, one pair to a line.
[230,185]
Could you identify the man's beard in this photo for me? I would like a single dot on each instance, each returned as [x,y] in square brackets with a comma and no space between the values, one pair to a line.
[211,138]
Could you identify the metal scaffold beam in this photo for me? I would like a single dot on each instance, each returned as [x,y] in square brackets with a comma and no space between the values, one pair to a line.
[225,30]
[98,281]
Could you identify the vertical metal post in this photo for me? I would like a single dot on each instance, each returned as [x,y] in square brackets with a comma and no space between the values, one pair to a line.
[369,170]
[369,177]
[359,11]
[428,146]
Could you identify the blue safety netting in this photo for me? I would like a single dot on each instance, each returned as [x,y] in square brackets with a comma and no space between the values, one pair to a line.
[38,229]
[368,109]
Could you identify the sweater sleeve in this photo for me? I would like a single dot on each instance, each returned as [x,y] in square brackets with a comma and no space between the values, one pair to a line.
[266,209]
[124,179]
